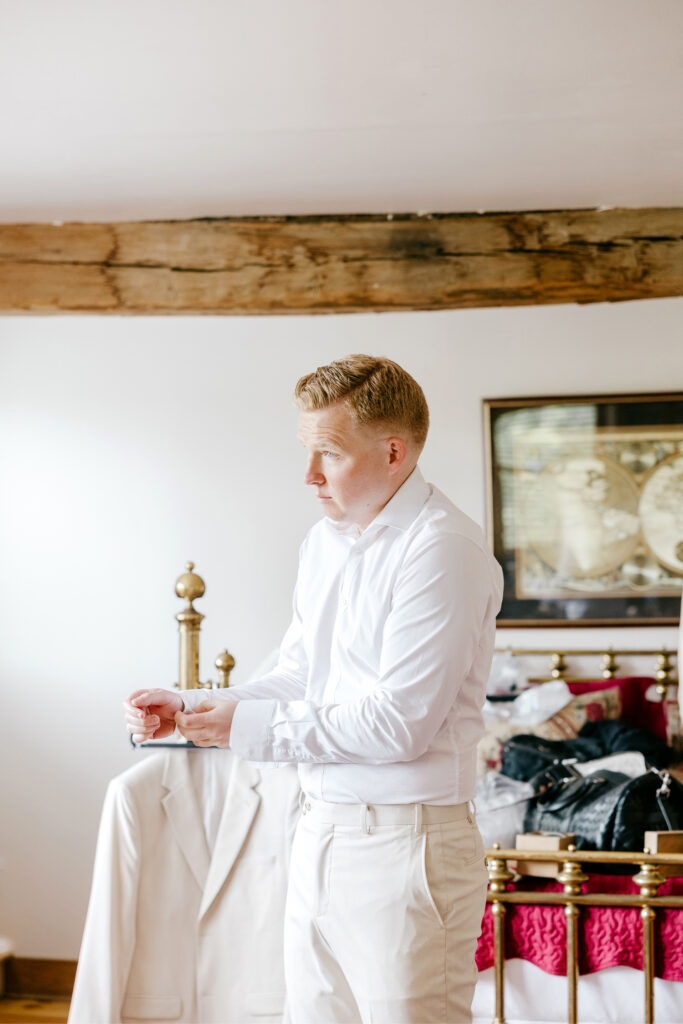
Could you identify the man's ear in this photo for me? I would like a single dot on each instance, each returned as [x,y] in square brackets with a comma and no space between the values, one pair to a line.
[398,451]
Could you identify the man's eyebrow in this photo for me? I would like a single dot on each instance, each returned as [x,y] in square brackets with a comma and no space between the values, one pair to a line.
[318,442]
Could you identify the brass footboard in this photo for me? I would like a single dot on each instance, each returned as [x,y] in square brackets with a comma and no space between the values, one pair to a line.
[572,876]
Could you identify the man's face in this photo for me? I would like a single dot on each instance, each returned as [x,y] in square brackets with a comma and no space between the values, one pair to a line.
[351,466]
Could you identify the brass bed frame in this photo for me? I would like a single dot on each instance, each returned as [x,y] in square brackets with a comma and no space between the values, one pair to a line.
[648,878]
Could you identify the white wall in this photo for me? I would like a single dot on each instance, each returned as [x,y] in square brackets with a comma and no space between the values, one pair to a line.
[306,107]
[130,445]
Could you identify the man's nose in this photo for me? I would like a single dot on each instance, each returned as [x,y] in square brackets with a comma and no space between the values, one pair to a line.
[313,474]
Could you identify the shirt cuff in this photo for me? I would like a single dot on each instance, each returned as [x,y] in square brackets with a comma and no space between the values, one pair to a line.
[193,698]
[250,732]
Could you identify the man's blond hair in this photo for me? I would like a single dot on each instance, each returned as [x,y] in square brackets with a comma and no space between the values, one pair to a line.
[374,389]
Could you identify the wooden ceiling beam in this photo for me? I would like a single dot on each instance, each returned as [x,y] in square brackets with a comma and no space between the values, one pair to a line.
[341,264]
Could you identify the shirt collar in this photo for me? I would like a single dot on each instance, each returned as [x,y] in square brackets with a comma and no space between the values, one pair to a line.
[401,510]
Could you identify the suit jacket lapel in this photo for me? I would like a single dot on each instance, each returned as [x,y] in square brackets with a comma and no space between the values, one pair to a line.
[239,809]
[182,809]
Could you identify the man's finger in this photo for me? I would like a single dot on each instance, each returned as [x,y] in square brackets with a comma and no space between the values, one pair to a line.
[133,710]
[184,721]
[200,739]
[147,734]
[143,698]
[192,722]
[146,729]
[134,714]
[141,737]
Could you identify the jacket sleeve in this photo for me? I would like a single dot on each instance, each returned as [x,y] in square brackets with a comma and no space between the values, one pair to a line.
[109,933]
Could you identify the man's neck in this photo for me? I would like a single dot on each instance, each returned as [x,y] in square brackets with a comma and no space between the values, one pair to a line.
[402,479]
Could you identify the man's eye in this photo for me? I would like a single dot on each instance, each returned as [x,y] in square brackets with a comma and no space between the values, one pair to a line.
[330,455]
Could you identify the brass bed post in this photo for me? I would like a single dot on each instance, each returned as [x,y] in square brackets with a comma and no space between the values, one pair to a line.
[499,876]
[663,672]
[572,878]
[189,586]
[648,879]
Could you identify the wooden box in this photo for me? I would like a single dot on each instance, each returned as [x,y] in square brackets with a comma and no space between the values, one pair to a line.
[665,842]
[541,841]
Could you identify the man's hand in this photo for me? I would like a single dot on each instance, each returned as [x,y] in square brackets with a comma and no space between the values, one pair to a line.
[209,724]
[150,714]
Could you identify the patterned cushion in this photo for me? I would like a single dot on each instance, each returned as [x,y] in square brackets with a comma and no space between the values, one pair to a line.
[564,725]
[660,717]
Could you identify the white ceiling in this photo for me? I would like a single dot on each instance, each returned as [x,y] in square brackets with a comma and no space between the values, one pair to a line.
[131,109]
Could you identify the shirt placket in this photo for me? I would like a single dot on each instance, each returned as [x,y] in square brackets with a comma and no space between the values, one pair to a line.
[342,622]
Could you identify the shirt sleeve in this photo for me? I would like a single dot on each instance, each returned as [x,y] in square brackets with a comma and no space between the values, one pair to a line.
[444,602]
[287,681]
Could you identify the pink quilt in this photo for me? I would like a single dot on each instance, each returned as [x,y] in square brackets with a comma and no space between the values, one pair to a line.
[608,936]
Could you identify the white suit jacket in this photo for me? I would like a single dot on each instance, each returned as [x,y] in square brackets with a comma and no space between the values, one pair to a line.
[176,934]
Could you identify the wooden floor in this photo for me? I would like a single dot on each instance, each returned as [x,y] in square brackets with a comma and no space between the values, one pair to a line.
[43,1010]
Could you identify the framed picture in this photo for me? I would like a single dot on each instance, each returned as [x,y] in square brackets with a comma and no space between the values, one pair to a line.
[585,508]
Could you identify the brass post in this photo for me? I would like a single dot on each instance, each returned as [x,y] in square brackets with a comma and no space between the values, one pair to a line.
[663,673]
[225,663]
[189,586]
[648,879]
[609,665]
[499,876]
[647,916]
[571,913]
[499,910]
[558,665]
[572,878]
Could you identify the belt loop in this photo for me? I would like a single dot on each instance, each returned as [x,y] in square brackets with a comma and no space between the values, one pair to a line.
[418,819]
[364,827]
[302,797]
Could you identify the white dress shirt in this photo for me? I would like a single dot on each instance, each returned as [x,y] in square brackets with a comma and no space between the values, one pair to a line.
[382,673]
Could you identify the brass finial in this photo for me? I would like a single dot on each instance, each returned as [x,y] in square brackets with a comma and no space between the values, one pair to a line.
[225,663]
[190,585]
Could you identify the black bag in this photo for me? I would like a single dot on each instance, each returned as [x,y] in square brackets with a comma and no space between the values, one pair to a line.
[606,810]
[524,756]
[615,735]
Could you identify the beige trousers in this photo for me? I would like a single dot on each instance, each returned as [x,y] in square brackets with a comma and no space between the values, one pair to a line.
[383,912]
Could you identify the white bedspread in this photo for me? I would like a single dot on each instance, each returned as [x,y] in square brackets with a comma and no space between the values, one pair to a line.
[613,996]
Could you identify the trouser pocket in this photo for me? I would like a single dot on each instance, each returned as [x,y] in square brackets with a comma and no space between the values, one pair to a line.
[451,852]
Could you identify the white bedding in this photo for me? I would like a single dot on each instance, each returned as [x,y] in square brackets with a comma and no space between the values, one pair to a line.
[613,996]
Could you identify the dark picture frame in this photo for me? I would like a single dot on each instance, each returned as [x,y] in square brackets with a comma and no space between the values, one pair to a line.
[585,508]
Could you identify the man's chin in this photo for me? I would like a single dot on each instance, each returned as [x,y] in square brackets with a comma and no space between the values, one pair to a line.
[333,512]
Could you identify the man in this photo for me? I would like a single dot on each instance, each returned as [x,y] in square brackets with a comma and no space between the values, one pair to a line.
[377,696]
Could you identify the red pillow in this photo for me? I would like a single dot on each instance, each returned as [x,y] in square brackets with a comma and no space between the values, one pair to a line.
[635,709]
